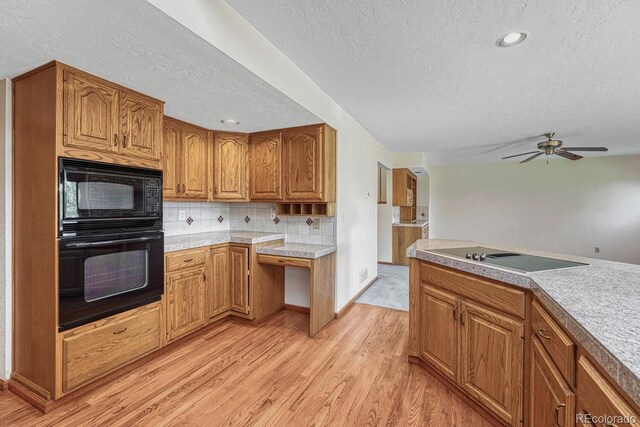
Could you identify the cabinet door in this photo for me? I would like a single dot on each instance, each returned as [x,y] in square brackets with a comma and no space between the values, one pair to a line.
[218,284]
[185,302]
[171,159]
[230,171]
[195,162]
[90,113]
[304,163]
[439,330]
[491,360]
[552,401]
[239,279]
[265,166]
[141,126]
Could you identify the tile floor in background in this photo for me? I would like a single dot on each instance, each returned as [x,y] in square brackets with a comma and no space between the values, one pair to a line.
[390,290]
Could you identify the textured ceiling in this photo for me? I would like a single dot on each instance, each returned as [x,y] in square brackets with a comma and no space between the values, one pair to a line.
[425,75]
[133,43]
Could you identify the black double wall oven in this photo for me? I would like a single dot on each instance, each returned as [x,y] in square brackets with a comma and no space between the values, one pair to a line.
[111,244]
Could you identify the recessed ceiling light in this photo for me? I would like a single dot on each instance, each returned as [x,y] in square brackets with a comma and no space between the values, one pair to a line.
[511,39]
[229,122]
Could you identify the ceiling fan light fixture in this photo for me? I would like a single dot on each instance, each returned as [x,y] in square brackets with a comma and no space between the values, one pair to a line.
[511,39]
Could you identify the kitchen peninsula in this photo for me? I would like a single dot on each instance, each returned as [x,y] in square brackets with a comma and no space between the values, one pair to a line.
[562,334]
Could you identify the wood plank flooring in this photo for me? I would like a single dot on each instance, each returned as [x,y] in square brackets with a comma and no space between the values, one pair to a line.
[353,373]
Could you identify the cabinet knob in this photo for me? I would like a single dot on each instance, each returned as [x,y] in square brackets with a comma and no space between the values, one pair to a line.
[115,139]
[124,141]
[542,333]
[562,405]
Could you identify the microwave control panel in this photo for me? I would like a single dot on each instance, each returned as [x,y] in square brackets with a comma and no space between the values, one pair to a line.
[153,197]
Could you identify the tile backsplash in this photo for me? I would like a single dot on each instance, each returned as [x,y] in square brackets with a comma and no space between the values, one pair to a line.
[205,217]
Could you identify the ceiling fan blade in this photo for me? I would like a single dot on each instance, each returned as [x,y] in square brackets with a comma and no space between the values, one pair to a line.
[532,157]
[518,155]
[568,155]
[586,148]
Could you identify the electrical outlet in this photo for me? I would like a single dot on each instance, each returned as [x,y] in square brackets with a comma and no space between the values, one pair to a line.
[272,213]
[182,215]
[597,250]
[316,224]
[364,274]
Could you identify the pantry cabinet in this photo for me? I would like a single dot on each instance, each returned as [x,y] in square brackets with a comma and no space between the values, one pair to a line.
[186,161]
[231,158]
[102,117]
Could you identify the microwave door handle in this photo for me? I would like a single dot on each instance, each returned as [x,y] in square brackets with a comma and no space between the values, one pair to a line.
[109,242]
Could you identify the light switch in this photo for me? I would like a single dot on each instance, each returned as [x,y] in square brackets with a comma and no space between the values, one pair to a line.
[316,224]
[182,215]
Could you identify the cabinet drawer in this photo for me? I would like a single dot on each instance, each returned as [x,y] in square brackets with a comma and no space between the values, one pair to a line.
[92,351]
[181,260]
[508,300]
[560,347]
[597,399]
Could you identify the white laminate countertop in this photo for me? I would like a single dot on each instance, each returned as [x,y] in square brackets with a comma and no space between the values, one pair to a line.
[188,241]
[298,250]
[598,303]
[419,223]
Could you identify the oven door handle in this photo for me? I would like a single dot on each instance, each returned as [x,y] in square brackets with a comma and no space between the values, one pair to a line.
[109,242]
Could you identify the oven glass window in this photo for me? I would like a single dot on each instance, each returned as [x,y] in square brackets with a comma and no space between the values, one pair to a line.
[99,195]
[115,273]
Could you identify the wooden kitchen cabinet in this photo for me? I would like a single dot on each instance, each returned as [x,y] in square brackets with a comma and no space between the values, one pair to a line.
[186,161]
[439,313]
[91,112]
[231,159]
[218,282]
[491,360]
[102,117]
[597,398]
[185,301]
[265,165]
[239,278]
[310,163]
[552,402]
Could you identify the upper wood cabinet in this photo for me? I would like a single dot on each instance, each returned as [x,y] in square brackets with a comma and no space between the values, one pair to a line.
[239,278]
[310,165]
[491,360]
[186,161]
[552,403]
[218,283]
[91,113]
[265,166]
[230,171]
[141,126]
[105,122]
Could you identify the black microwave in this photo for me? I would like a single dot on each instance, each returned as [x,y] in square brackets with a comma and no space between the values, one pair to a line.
[101,198]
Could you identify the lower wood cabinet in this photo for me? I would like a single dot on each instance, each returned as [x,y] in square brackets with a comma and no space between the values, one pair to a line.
[218,282]
[598,402]
[92,351]
[552,402]
[185,301]
[491,359]
[239,278]
[440,330]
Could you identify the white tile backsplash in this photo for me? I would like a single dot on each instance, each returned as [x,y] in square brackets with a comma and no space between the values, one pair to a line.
[205,218]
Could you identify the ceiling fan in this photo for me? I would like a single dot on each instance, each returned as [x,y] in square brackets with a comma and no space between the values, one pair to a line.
[553,146]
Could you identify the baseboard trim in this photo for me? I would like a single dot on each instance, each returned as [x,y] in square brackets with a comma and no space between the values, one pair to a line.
[4,385]
[488,416]
[298,308]
[30,393]
[386,262]
[348,305]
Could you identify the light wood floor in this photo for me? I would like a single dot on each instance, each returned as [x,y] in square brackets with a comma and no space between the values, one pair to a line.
[354,373]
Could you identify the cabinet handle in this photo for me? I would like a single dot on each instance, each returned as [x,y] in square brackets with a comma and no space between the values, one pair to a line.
[124,141]
[204,277]
[455,313]
[188,260]
[120,331]
[115,139]
[184,188]
[462,315]
[562,405]
[542,333]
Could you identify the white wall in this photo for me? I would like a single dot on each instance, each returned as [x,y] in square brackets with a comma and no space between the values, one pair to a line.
[5,229]
[358,152]
[565,207]
[385,234]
